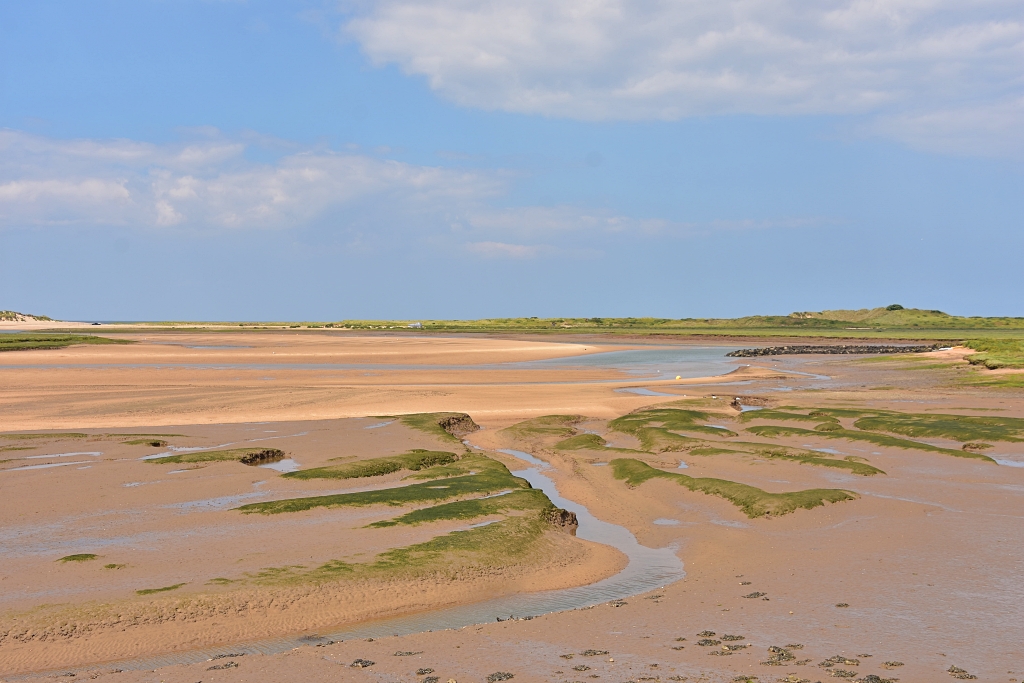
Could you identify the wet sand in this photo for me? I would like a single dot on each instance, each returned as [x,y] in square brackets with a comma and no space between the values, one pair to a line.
[927,559]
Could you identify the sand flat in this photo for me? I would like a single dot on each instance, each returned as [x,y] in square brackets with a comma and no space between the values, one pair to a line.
[926,557]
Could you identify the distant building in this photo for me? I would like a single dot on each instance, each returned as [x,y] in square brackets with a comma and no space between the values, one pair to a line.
[418,326]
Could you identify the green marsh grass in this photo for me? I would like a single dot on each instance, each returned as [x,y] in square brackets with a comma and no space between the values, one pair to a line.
[884,440]
[80,557]
[520,500]
[490,477]
[506,542]
[581,442]
[997,353]
[434,423]
[232,454]
[415,460]
[1007,381]
[591,442]
[754,502]
[28,342]
[561,426]
[954,427]
[164,589]
[656,428]
[712,450]
[784,416]
[853,465]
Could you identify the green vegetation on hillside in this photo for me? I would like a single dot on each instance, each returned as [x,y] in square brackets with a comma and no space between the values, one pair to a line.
[28,342]
[14,316]
[754,502]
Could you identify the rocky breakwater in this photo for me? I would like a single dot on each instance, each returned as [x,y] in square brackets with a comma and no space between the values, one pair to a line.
[833,349]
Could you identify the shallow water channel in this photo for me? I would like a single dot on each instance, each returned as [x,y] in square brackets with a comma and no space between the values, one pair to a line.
[647,569]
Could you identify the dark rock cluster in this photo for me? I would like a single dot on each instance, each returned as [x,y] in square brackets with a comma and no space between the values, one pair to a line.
[263,456]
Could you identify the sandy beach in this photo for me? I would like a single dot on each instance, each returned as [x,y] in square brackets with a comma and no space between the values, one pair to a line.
[869,585]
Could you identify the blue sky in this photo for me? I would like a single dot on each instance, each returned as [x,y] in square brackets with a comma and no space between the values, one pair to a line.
[216,159]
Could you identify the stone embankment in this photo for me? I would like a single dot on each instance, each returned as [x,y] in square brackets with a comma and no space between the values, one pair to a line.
[833,349]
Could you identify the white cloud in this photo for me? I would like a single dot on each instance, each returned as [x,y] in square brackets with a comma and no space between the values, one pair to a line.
[919,62]
[209,185]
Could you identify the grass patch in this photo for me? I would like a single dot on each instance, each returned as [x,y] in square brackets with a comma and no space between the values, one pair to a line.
[582,442]
[522,500]
[231,454]
[785,416]
[155,443]
[504,543]
[656,428]
[853,435]
[449,427]
[711,450]
[754,502]
[1007,381]
[80,557]
[29,342]
[851,464]
[954,427]
[415,460]
[996,353]
[491,477]
[114,566]
[150,591]
[560,426]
